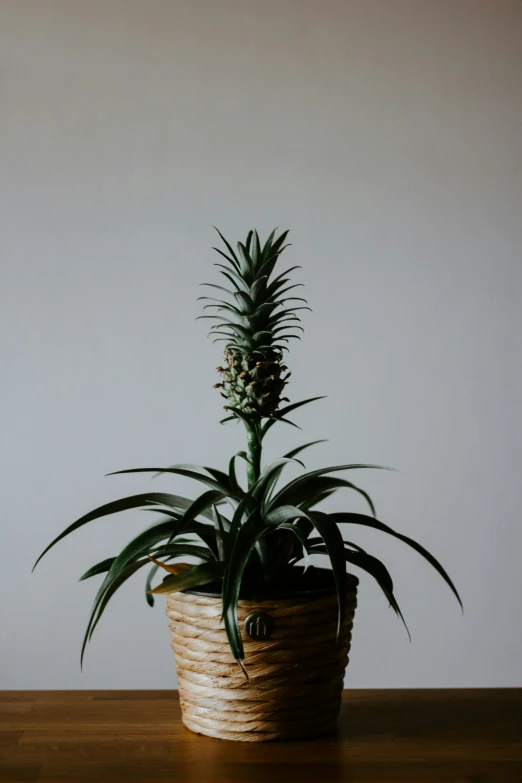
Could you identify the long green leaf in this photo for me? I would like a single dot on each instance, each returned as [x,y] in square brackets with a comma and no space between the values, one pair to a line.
[221,535]
[362,519]
[335,483]
[296,451]
[125,561]
[301,538]
[247,267]
[237,280]
[135,501]
[99,568]
[205,532]
[248,536]
[232,477]
[317,485]
[245,509]
[268,244]
[333,540]
[195,577]
[269,264]
[247,301]
[287,409]
[270,473]
[141,544]
[255,251]
[150,576]
[284,514]
[278,244]
[228,246]
[221,477]
[115,584]
[179,471]
[148,584]
[283,421]
[258,287]
[155,568]
[316,499]
[206,501]
[331,536]
[282,497]
[278,281]
[218,287]
[375,568]
[224,255]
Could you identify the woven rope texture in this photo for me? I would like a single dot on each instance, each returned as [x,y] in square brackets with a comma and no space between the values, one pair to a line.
[295,676]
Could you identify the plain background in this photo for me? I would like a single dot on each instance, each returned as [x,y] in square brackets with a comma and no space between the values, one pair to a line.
[387,136]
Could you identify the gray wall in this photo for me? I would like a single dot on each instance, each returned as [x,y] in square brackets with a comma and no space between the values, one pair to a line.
[386,135]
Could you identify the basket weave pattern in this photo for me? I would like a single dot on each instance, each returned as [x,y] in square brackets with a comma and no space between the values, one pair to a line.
[295,676]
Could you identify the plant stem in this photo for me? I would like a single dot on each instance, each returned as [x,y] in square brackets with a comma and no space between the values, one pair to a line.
[254,456]
[253,473]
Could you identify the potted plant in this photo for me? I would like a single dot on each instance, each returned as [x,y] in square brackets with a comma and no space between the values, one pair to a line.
[260,636]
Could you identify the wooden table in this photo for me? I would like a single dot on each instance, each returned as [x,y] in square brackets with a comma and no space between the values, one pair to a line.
[392,735]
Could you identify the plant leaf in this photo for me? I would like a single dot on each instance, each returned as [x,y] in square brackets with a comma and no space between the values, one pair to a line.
[315,500]
[204,502]
[99,568]
[362,519]
[135,501]
[284,421]
[375,568]
[247,537]
[230,260]
[139,545]
[297,450]
[115,585]
[300,536]
[333,540]
[282,497]
[284,514]
[234,484]
[268,244]
[269,475]
[285,410]
[221,477]
[229,247]
[221,535]
[175,568]
[319,484]
[179,471]
[196,576]
[148,585]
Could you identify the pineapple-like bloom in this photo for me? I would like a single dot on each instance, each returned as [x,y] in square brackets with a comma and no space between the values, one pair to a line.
[255,324]
[253,383]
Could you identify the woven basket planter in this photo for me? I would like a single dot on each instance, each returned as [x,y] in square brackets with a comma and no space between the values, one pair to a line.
[295,676]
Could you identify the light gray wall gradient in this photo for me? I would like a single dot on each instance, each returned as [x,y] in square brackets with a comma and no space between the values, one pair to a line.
[387,135]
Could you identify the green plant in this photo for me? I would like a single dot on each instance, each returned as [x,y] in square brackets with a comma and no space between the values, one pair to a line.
[251,535]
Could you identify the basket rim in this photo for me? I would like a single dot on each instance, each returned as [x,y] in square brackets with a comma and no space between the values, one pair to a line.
[269,595]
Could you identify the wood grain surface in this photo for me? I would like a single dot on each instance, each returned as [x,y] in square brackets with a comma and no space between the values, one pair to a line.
[398,736]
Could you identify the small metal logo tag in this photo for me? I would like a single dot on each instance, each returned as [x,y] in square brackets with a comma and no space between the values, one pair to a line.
[258,626]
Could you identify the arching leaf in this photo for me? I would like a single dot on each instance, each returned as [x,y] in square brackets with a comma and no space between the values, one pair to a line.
[286,493]
[180,472]
[287,409]
[362,519]
[197,576]
[333,540]
[134,501]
